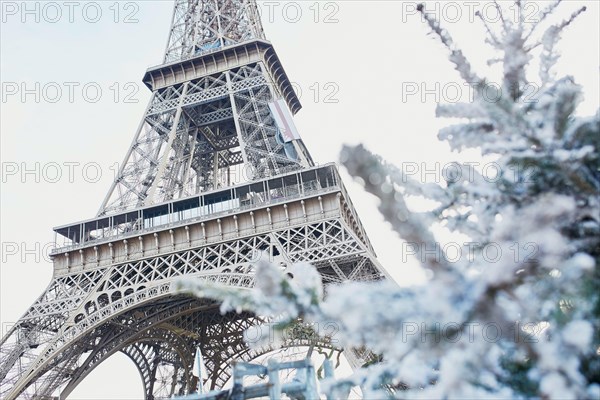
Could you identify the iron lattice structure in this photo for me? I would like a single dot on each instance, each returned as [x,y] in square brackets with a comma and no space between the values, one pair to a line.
[212,182]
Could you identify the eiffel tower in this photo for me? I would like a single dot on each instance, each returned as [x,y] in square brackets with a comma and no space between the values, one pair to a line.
[217,177]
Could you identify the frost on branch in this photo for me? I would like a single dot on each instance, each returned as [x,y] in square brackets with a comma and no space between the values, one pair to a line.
[545,202]
[522,324]
[273,294]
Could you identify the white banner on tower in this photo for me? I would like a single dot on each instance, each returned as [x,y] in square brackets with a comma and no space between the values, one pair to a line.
[284,121]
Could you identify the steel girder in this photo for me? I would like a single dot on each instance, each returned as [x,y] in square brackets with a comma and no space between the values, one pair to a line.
[193,132]
[209,112]
[84,311]
[200,26]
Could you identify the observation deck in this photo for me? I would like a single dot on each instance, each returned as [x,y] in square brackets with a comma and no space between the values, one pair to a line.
[218,215]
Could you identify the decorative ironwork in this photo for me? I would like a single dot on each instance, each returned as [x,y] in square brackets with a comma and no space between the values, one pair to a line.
[179,208]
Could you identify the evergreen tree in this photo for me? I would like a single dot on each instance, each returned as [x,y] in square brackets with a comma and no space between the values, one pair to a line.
[526,324]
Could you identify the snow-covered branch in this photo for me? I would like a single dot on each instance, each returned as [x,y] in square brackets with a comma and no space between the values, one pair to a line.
[520,316]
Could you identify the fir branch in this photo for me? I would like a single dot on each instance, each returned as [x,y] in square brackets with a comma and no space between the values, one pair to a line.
[543,15]
[456,55]
[501,14]
[572,18]
[363,164]
[492,38]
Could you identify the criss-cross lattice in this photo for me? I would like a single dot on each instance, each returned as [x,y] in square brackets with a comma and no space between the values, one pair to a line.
[179,208]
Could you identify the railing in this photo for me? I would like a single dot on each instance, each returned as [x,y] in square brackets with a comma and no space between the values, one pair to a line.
[303,387]
[183,222]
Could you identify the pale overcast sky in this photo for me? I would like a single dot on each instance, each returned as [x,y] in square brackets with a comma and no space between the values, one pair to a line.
[357,56]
